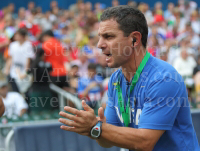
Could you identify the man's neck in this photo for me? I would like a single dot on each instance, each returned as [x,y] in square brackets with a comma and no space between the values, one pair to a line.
[130,68]
[21,42]
[3,96]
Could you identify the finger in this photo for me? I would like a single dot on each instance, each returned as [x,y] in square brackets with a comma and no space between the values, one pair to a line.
[72,110]
[67,128]
[101,113]
[86,107]
[69,123]
[70,117]
[73,129]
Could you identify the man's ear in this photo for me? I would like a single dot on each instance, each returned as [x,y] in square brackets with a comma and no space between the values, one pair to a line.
[136,38]
[133,41]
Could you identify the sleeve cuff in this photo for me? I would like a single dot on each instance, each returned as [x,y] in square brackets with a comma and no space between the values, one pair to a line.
[155,126]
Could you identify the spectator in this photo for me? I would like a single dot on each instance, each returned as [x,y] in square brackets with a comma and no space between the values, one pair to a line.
[45,22]
[91,50]
[83,62]
[33,28]
[158,7]
[14,102]
[184,64]
[82,38]
[177,20]
[195,22]
[31,6]
[21,15]
[159,35]
[169,12]
[11,10]
[21,53]
[102,68]
[154,47]
[196,76]
[132,3]
[73,77]
[115,3]
[90,87]
[39,94]
[54,54]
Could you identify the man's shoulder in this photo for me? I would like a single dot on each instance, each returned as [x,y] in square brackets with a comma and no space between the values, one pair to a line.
[13,97]
[161,71]
[13,94]
[14,44]
[27,44]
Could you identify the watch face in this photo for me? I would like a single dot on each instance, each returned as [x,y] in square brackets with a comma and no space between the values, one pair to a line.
[95,132]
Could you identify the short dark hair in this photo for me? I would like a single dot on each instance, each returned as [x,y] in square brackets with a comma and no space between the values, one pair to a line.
[92,66]
[46,33]
[23,32]
[129,19]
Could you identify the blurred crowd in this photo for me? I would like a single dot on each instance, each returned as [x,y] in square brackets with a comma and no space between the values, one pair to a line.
[60,47]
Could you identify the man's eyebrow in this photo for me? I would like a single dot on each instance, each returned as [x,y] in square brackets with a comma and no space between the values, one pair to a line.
[105,34]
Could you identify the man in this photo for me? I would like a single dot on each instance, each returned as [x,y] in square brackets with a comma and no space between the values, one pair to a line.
[14,102]
[54,54]
[185,64]
[20,54]
[157,114]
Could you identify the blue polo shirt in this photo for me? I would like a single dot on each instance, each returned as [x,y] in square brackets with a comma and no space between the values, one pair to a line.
[159,101]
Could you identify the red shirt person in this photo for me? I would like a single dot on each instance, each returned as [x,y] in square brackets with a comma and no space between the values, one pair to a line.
[54,54]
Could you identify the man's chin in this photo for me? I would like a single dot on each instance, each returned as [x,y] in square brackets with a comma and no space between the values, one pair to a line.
[111,65]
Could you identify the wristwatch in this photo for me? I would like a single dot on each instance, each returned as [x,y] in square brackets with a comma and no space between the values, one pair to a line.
[96,130]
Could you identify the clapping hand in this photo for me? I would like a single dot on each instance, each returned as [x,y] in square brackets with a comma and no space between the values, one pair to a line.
[81,121]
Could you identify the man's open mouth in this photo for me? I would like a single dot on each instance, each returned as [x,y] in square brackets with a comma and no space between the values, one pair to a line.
[108,55]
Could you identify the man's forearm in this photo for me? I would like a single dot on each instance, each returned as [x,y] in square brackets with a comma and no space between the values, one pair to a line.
[2,108]
[104,143]
[124,137]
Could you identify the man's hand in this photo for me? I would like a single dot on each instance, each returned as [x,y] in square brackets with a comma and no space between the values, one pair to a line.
[101,116]
[81,122]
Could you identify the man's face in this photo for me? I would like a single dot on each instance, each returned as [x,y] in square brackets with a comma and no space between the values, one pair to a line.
[92,73]
[114,44]
[19,37]
[4,91]
[184,54]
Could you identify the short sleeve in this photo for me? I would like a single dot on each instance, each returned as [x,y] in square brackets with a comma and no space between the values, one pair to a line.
[29,51]
[10,50]
[161,105]
[110,112]
[20,104]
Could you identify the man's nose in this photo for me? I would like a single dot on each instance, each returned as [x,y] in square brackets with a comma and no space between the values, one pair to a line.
[101,44]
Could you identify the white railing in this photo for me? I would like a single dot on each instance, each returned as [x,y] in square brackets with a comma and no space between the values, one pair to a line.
[62,95]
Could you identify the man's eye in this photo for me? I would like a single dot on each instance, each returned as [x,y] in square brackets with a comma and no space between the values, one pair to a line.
[108,36]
